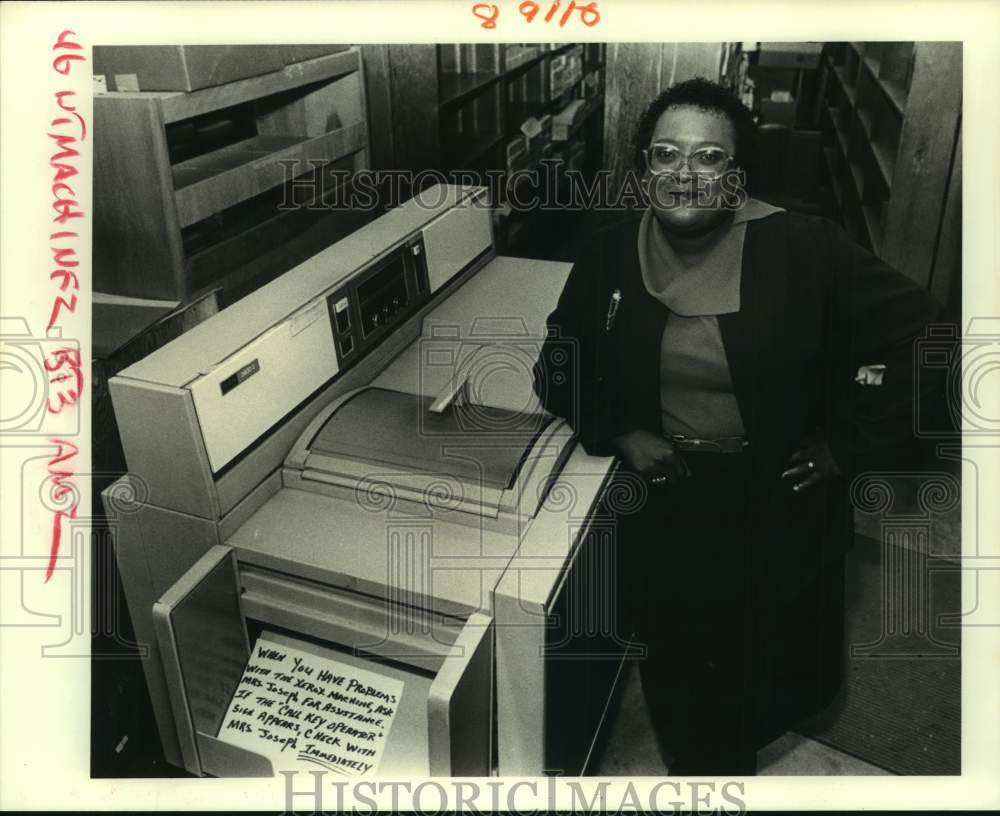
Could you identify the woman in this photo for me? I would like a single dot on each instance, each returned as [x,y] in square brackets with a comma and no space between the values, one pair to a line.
[718,342]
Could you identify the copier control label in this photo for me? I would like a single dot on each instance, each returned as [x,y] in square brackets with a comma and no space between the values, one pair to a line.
[242,375]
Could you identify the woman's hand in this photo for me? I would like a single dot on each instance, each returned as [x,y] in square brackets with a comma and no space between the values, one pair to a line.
[651,456]
[811,463]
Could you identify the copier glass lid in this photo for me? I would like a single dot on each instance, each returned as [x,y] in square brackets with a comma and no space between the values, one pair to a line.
[471,458]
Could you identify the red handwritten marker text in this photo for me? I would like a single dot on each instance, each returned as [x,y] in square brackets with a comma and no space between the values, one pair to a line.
[67,130]
[588,14]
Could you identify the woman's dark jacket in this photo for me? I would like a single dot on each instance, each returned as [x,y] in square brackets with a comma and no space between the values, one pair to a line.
[814,307]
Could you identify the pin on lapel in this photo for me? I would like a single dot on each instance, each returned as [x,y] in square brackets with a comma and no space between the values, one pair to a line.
[616,299]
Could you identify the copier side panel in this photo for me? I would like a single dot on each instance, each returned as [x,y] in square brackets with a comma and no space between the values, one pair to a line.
[163,445]
[552,679]
[153,548]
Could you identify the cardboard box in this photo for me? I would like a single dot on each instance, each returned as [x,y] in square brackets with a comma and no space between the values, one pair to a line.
[516,54]
[516,154]
[789,55]
[565,70]
[570,114]
[537,132]
[775,112]
[564,120]
[768,80]
[182,67]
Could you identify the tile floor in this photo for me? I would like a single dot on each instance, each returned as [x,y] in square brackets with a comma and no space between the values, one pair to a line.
[631,747]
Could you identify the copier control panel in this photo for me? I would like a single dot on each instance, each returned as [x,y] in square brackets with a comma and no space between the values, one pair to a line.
[364,310]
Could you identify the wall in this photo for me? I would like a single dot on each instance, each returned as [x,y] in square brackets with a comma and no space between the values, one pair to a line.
[636,74]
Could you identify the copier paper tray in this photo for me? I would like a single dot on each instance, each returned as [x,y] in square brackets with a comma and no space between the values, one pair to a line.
[470,458]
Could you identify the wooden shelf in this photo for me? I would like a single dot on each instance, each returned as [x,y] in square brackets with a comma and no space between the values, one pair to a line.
[897,175]
[839,130]
[479,112]
[172,199]
[221,179]
[838,193]
[871,218]
[591,105]
[865,118]
[470,151]
[518,112]
[849,90]
[514,71]
[209,165]
[531,163]
[178,105]
[858,176]
[456,88]
[885,160]
[564,47]
[267,237]
[896,92]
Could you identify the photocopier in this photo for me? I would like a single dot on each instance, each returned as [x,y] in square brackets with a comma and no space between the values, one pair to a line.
[353,457]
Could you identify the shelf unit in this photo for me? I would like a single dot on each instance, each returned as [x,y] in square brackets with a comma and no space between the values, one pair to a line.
[892,130]
[224,186]
[539,88]
[789,67]
[460,107]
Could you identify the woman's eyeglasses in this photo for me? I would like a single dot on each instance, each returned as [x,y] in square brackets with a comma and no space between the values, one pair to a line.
[709,161]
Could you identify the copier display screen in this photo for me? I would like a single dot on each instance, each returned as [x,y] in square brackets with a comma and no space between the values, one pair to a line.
[383,296]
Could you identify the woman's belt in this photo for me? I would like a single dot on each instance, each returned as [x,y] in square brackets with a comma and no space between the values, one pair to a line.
[724,444]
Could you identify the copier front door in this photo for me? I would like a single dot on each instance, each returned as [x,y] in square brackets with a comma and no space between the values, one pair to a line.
[206,625]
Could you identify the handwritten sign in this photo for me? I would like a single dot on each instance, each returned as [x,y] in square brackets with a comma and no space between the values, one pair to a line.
[295,707]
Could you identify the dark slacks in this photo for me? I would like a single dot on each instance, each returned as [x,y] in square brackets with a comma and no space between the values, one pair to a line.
[731,663]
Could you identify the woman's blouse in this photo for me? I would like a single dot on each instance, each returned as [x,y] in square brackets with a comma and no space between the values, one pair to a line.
[696,389]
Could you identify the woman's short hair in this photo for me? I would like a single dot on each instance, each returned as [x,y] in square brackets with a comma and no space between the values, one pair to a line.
[707,95]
